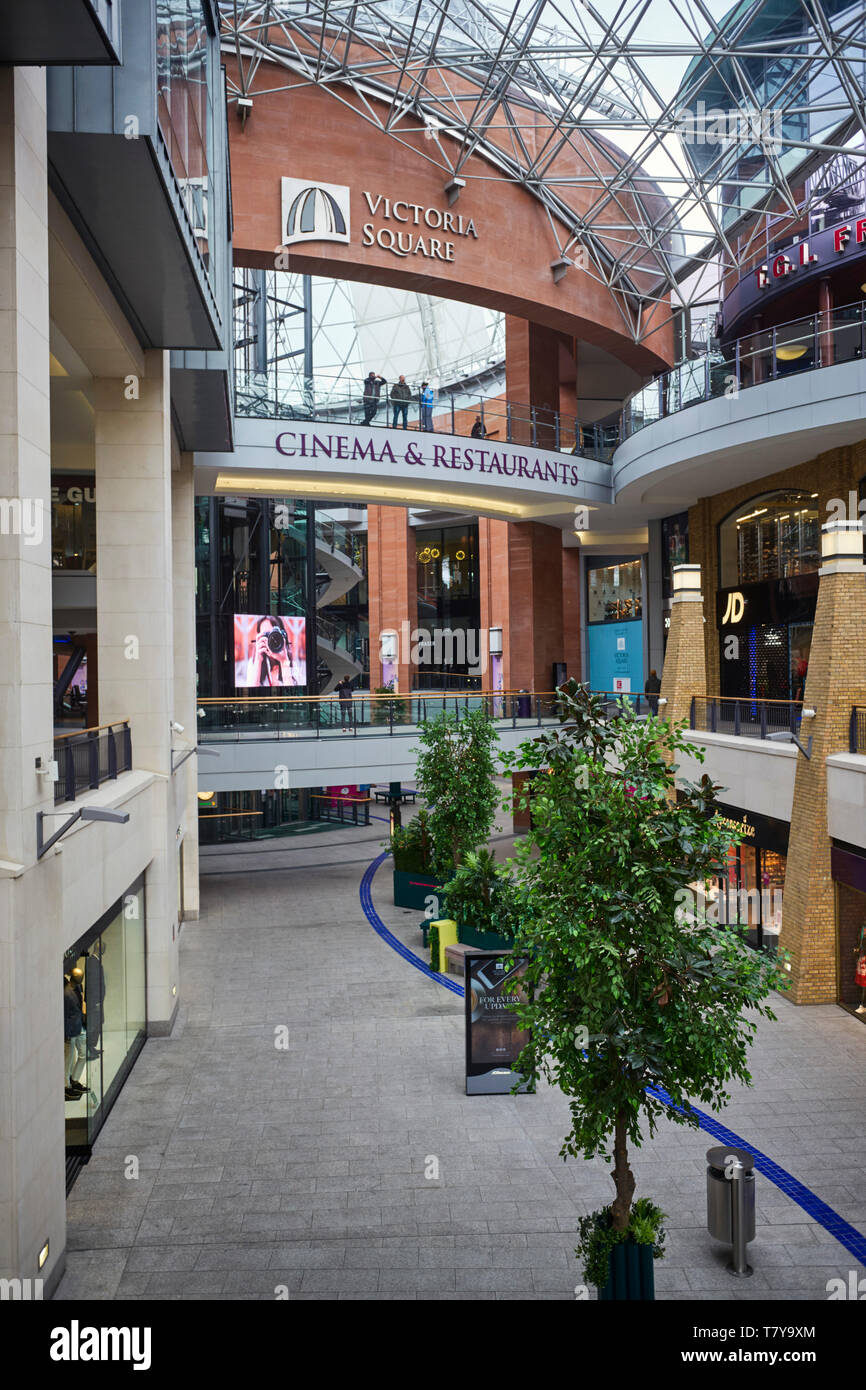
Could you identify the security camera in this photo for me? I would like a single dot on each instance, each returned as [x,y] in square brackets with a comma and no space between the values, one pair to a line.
[176,728]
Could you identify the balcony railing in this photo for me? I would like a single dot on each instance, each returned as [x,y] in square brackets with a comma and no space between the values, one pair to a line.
[745,717]
[803,345]
[500,420]
[313,716]
[857,741]
[87,758]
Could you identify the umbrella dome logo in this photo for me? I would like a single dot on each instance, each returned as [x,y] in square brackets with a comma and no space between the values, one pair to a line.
[314,212]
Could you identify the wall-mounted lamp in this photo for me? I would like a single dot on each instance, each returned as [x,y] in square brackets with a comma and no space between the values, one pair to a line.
[388,645]
[841,547]
[686,584]
[43,1255]
[788,736]
[453,190]
[98,813]
[245,108]
[559,267]
[495,639]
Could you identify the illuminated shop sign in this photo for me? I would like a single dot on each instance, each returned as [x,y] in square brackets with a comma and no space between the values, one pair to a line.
[801,254]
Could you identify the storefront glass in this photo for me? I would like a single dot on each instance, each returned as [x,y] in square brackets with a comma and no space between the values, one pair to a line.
[614,592]
[73,522]
[748,895]
[105,1019]
[773,536]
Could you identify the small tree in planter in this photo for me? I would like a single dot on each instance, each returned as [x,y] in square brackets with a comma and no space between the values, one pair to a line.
[631,989]
[454,773]
[482,899]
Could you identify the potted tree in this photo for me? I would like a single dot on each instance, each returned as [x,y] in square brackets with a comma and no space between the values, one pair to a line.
[412,851]
[637,1001]
[455,773]
[481,898]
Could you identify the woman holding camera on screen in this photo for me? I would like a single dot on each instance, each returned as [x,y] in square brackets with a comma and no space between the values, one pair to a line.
[272,660]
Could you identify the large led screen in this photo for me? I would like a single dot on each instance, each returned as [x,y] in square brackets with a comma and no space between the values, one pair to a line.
[269,651]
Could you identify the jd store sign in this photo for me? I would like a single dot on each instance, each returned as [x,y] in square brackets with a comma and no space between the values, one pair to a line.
[315,212]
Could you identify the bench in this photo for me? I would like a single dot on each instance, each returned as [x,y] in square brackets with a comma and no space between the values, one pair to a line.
[406,794]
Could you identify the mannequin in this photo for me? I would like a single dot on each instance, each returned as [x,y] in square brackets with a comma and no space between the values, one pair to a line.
[74,1033]
[94,997]
[860,970]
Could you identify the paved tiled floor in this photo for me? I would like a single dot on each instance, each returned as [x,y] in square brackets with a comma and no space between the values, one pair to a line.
[301,1172]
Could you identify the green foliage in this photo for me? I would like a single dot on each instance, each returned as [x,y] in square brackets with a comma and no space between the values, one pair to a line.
[482,894]
[412,846]
[455,771]
[597,1237]
[395,711]
[433,943]
[629,985]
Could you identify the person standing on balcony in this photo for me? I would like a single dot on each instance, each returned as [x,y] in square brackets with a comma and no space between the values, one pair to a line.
[651,690]
[372,388]
[400,398]
[344,690]
[427,399]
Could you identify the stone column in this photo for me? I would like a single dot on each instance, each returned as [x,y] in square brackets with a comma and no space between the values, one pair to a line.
[185,703]
[835,680]
[32,1205]
[684,673]
[132,430]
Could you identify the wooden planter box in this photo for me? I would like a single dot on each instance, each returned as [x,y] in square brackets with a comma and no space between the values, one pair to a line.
[631,1277]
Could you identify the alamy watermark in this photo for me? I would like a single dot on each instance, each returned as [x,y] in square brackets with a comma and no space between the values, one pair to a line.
[739,125]
[23,516]
[444,647]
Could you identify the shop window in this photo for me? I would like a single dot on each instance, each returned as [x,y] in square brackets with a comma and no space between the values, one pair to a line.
[773,536]
[614,592]
[851,928]
[73,522]
[105,1018]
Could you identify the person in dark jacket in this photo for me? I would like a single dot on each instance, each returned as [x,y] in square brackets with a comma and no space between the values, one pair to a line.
[372,389]
[400,398]
[344,690]
[651,690]
[74,1033]
[478,431]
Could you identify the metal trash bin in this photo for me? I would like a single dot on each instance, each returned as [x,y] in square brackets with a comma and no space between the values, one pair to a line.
[524,705]
[720,1193]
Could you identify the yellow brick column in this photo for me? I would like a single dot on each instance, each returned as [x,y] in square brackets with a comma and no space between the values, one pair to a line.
[684,673]
[835,681]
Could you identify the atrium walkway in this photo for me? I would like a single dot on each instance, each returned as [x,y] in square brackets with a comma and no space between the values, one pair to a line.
[301,1173]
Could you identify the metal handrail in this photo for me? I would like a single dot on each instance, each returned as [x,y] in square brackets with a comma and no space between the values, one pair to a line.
[673,391]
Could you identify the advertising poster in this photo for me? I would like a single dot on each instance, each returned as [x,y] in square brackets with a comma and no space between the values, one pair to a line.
[269,651]
[494,1040]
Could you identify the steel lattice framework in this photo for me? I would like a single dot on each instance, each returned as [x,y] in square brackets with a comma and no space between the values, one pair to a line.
[664,138]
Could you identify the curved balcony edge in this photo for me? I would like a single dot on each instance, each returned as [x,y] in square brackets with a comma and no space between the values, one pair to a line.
[718,444]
